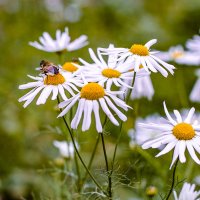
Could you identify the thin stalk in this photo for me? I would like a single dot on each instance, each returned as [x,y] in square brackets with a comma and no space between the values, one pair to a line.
[173,180]
[79,156]
[78,172]
[120,133]
[109,189]
[91,160]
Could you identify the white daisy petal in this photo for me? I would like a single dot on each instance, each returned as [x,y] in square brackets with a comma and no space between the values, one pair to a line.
[97,117]
[107,111]
[190,115]
[182,146]
[168,115]
[78,115]
[192,152]
[178,116]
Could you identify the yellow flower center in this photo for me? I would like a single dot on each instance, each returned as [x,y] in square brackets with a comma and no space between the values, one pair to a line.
[139,49]
[140,67]
[183,131]
[54,80]
[111,73]
[92,91]
[70,67]
[177,54]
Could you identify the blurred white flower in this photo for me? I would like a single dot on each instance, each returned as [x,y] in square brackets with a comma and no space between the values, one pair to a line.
[194,44]
[172,54]
[178,134]
[142,55]
[179,55]
[56,84]
[187,193]
[66,149]
[89,98]
[61,43]
[139,135]
[195,93]
[143,87]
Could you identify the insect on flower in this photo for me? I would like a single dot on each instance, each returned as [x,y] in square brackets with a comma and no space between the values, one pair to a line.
[48,68]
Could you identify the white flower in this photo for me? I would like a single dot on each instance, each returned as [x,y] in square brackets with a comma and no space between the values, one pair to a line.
[142,55]
[139,135]
[180,56]
[108,72]
[178,134]
[194,44]
[89,98]
[56,84]
[195,93]
[187,193]
[61,43]
[172,54]
[66,148]
[143,87]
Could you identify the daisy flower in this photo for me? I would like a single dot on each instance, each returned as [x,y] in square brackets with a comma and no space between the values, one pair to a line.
[66,149]
[195,93]
[140,54]
[143,87]
[187,192]
[176,133]
[107,72]
[91,97]
[172,54]
[56,84]
[60,44]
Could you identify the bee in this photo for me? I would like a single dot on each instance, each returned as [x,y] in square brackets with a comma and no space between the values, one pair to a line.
[48,68]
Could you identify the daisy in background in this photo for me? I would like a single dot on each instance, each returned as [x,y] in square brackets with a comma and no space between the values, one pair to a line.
[187,193]
[57,84]
[66,149]
[139,135]
[176,133]
[195,93]
[91,97]
[143,87]
[71,68]
[60,44]
[108,72]
[179,55]
[140,54]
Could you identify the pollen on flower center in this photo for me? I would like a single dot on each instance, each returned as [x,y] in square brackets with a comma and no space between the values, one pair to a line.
[70,67]
[54,80]
[92,91]
[183,131]
[111,73]
[139,49]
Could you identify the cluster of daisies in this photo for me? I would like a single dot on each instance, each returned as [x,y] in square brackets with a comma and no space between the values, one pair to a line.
[102,84]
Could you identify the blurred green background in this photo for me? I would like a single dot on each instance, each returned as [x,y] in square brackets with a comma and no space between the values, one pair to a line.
[26,152]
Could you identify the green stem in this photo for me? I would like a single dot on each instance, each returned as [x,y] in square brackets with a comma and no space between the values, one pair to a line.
[78,172]
[173,180]
[109,189]
[91,160]
[79,156]
[120,133]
